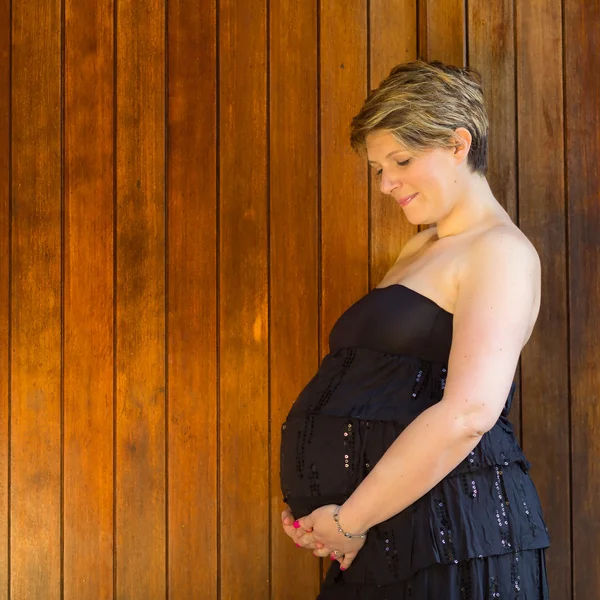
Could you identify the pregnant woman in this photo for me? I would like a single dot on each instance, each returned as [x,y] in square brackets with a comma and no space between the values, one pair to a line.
[398,459]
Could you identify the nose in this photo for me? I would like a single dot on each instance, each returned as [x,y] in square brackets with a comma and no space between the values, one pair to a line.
[388,182]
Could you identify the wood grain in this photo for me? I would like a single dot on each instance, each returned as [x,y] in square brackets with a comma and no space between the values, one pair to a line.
[544,365]
[5,58]
[243,302]
[294,255]
[393,40]
[491,46]
[582,64]
[192,300]
[35,493]
[344,187]
[140,309]
[243,226]
[442,31]
[88,301]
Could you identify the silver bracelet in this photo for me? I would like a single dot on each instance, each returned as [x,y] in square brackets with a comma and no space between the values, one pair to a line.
[336,518]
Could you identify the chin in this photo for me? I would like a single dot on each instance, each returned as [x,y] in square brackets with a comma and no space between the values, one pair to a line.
[416,220]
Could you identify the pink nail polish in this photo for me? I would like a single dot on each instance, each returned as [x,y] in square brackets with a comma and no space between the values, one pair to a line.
[342,568]
[299,546]
[296,525]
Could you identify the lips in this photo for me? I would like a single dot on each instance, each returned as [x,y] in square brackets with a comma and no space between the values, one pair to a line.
[406,200]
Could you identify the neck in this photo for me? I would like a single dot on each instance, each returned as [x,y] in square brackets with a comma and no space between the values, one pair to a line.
[473,209]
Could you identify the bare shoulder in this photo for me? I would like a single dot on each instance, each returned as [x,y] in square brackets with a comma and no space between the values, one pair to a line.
[417,241]
[505,245]
[503,261]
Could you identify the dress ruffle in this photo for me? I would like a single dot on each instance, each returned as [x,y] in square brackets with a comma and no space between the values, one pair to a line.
[518,575]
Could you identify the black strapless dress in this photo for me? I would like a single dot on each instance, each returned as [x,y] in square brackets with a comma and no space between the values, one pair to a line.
[479,533]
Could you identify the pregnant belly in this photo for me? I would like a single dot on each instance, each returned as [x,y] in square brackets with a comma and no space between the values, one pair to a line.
[324,458]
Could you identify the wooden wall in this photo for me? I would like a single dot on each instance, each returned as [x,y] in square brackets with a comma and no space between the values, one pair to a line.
[181,222]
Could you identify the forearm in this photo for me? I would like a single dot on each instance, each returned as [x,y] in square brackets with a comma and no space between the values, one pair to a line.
[424,453]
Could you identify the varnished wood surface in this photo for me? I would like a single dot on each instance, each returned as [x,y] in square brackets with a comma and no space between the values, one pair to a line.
[88,215]
[35,303]
[582,119]
[191,328]
[182,220]
[140,352]
[243,336]
[5,52]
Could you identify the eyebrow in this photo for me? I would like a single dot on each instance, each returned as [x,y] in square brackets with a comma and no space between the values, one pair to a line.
[388,155]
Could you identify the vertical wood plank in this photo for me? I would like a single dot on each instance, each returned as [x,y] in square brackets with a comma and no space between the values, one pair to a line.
[5,62]
[393,40]
[294,252]
[192,315]
[243,298]
[442,31]
[140,317]
[344,187]
[35,495]
[491,46]
[544,366]
[582,89]
[88,301]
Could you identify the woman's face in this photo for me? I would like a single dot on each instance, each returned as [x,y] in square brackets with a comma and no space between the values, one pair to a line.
[425,185]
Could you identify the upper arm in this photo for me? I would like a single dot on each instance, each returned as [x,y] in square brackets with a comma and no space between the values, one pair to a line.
[497,295]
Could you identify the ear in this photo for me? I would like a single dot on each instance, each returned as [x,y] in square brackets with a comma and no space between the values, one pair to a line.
[463,143]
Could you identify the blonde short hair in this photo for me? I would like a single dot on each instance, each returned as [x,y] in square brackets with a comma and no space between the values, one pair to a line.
[422,104]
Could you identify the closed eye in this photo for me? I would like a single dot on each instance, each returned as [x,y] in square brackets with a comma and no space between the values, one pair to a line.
[399,163]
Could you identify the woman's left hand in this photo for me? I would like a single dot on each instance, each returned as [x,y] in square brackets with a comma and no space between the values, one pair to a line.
[325,531]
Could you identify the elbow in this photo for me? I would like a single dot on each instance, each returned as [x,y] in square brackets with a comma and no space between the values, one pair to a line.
[477,424]
[472,422]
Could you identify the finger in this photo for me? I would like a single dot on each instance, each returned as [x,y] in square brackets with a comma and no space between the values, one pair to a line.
[298,537]
[305,539]
[287,518]
[326,553]
[298,534]
[305,523]
[296,525]
[347,560]
[309,545]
